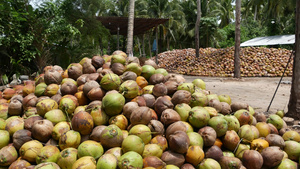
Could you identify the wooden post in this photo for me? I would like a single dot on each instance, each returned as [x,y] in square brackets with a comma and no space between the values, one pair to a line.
[237,61]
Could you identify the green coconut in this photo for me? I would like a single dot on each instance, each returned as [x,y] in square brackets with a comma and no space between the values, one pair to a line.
[199,83]
[209,163]
[129,89]
[67,158]
[187,86]
[48,153]
[131,159]
[113,103]
[183,110]
[99,116]
[67,105]
[47,165]
[133,143]
[69,139]
[152,150]
[287,164]
[110,81]
[46,105]
[219,124]
[225,98]
[198,117]
[292,148]
[2,124]
[148,89]
[195,139]
[198,99]
[107,161]
[233,122]
[4,137]
[246,133]
[141,131]
[111,136]
[40,89]
[90,148]
[147,71]
[118,59]
[161,71]
[134,67]
[276,121]
[55,116]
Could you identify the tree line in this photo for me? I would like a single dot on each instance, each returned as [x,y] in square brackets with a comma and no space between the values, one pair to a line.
[64,31]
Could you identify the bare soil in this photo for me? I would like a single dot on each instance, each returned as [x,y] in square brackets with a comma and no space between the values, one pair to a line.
[257,91]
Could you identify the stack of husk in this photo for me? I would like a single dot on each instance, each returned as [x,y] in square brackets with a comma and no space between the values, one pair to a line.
[255,62]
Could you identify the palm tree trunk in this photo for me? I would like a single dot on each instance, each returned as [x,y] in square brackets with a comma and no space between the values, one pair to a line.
[237,70]
[143,45]
[149,43]
[294,103]
[197,28]
[130,27]
[156,36]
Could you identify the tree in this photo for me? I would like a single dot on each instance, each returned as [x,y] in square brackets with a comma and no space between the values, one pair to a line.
[237,70]
[130,27]
[197,27]
[294,102]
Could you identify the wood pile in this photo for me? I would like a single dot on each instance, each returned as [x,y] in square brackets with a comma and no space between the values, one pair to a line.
[255,62]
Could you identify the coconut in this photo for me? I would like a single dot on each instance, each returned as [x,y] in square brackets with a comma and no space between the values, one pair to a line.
[74,71]
[48,153]
[90,148]
[8,155]
[291,135]
[209,163]
[194,155]
[252,159]
[67,158]
[161,71]
[272,156]
[275,140]
[183,110]
[129,89]
[162,103]
[147,89]
[115,58]
[128,75]
[68,139]
[230,162]
[231,140]
[20,137]
[28,123]
[152,150]
[118,68]
[15,107]
[107,161]
[130,159]
[4,111]
[219,124]
[198,99]
[169,116]
[156,79]
[233,123]
[83,123]
[19,163]
[149,99]
[154,162]
[159,90]
[4,137]
[181,96]
[151,62]
[186,86]
[55,116]
[209,135]
[128,108]
[97,61]
[287,164]
[51,90]
[113,103]
[235,106]
[243,116]
[215,104]
[292,148]
[214,152]
[52,77]
[171,87]
[156,127]
[87,162]
[30,150]
[13,124]
[198,117]
[179,142]
[29,101]
[119,120]
[110,81]
[68,88]
[46,105]
[147,71]
[88,68]
[133,143]
[111,136]
[170,157]
[42,130]
[276,121]
[134,67]
[40,89]
[59,129]
[142,131]
[260,117]
[141,115]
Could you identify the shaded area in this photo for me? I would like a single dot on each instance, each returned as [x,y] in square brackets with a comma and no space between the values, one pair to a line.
[141,25]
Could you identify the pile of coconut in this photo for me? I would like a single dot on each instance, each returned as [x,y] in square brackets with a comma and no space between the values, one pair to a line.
[116,112]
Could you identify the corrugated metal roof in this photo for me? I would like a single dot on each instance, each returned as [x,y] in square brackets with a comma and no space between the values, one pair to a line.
[270,40]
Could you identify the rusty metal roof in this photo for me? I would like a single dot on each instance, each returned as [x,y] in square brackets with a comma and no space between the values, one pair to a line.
[141,25]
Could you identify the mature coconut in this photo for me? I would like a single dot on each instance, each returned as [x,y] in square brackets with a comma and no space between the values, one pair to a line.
[162,103]
[170,157]
[209,135]
[42,130]
[169,116]
[252,159]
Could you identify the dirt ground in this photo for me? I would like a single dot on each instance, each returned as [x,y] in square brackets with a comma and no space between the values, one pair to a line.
[257,92]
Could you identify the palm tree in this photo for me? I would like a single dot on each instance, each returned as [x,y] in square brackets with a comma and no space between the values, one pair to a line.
[293,107]
[197,28]
[237,70]
[130,27]
[224,10]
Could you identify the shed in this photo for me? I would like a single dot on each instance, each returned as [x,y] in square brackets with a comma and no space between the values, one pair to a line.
[270,40]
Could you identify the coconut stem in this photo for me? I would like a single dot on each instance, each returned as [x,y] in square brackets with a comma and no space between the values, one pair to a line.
[237,145]
[68,117]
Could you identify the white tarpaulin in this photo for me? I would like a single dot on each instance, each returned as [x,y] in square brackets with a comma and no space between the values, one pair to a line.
[270,40]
